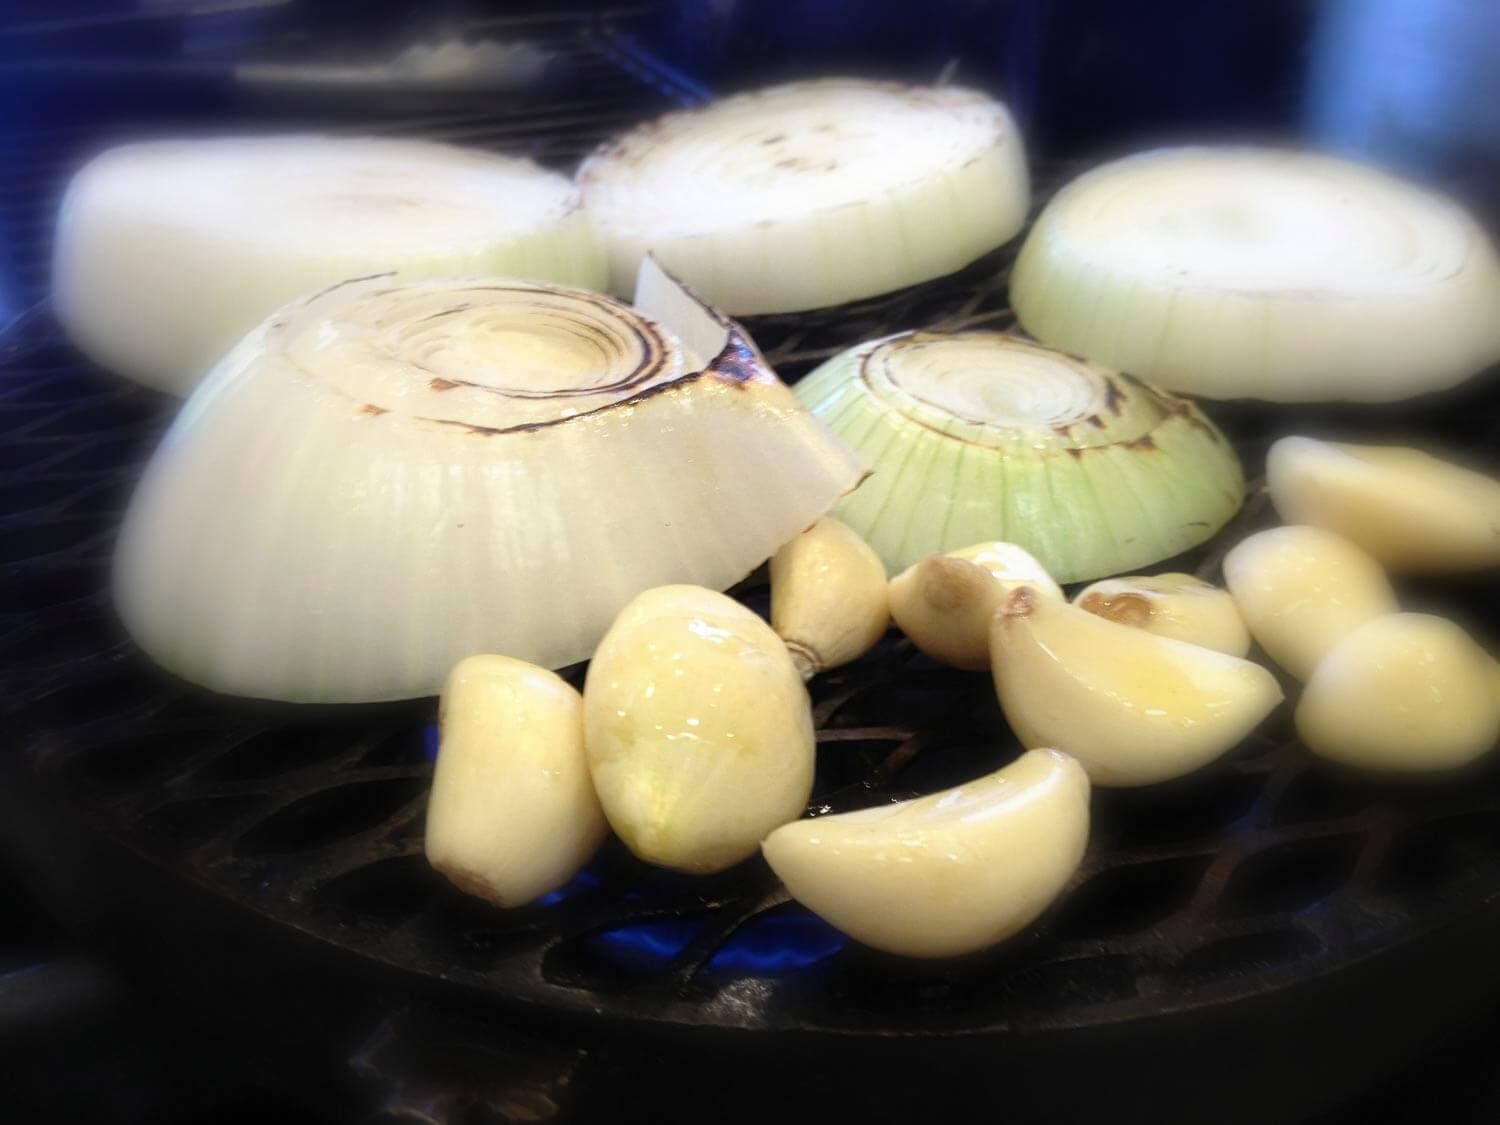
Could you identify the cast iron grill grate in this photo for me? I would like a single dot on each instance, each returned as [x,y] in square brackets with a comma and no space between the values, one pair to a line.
[1262,871]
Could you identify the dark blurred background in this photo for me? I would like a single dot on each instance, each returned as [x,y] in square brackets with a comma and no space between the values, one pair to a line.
[1410,84]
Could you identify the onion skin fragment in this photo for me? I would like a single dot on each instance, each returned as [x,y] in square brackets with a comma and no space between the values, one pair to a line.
[513,812]
[828,597]
[1403,693]
[1411,511]
[980,436]
[699,730]
[947,874]
[1301,590]
[1133,707]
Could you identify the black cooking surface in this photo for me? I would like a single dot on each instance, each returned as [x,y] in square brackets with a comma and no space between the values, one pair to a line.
[1268,875]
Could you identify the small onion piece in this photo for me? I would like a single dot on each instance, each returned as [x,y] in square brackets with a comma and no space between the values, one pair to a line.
[811,194]
[384,478]
[168,252]
[1260,273]
[979,436]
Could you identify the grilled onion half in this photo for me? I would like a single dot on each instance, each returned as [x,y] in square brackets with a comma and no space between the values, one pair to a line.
[386,477]
[976,436]
[812,193]
[1260,273]
[169,251]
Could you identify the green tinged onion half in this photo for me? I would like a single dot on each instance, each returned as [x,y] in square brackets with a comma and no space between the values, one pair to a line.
[976,436]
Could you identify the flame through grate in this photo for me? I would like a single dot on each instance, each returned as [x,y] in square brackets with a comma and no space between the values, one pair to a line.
[1259,872]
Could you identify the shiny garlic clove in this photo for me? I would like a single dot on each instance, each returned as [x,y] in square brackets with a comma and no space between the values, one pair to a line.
[946,874]
[699,731]
[1133,707]
[944,603]
[1405,692]
[513,813]
[1408,509]
[828,597]
[1302,589]
[1178,606]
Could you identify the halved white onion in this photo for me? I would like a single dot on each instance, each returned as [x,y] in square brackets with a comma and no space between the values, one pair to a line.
[979,436]
[945,874]
[168,252]
[812,193]
[1260,273]
[384,478]
[1407,508]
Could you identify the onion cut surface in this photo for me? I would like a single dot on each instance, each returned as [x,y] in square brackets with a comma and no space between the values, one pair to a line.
[168,252]
[384,478]
[1248,273]
[811,194]
[977,436]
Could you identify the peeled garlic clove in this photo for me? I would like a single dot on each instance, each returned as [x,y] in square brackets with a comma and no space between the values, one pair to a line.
[1179,606]
[512,813]
[828,597]
[1408,509]
[1133,707]
[699,731]
[945,874]
[944,603]
[1405,692]
[1302,590]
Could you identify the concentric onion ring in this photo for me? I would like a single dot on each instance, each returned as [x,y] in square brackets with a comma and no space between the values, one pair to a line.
[487,356]
[978,436]
[384,478]
[1266,274]
[811,194]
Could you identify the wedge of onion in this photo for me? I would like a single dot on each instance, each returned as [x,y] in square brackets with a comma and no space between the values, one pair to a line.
[169,252]
[1257,273]
[811,194]
[383,478]
[981,436]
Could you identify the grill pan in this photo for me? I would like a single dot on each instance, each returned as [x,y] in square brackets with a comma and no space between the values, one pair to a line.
[1270,933]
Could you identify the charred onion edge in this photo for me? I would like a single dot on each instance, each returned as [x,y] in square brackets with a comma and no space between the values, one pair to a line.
[625,148]
[1173,407]
[738,363]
